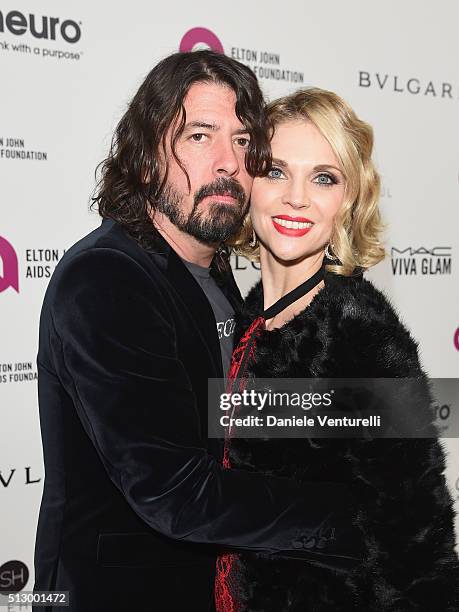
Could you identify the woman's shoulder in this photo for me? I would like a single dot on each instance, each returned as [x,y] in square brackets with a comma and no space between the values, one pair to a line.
[368,318]
[357,297]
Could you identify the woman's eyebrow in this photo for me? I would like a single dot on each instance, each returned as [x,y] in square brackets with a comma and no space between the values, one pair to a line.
[279,162]
[320,167]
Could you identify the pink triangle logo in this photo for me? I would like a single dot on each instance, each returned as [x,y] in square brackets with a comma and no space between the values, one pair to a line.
[9,258]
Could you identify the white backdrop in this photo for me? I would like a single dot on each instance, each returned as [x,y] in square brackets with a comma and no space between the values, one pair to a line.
[67,71]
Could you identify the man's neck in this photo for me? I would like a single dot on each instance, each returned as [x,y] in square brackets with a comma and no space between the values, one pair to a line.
[186,246]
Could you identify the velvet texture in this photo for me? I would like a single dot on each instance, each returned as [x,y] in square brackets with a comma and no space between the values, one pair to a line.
[136,503]
[406,515]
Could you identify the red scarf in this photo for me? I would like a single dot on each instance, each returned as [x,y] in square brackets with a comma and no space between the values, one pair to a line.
[225,580]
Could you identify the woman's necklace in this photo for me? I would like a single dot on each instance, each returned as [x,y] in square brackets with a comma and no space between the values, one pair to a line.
[291,297]
[246,347]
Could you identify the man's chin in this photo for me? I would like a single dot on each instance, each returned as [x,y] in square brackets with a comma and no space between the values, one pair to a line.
[221,225]
[214,236]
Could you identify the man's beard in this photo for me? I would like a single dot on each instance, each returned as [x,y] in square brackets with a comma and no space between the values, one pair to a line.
[217,222]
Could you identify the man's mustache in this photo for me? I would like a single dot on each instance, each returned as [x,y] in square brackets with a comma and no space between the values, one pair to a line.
[221,186]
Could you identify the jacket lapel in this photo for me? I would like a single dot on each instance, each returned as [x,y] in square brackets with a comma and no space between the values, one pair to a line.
[192,295]
[198,306]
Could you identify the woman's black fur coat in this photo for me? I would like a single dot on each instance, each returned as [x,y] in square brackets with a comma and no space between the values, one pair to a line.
[406,515]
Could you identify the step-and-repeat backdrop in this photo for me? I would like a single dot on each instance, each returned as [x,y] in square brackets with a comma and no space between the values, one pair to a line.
[67,71]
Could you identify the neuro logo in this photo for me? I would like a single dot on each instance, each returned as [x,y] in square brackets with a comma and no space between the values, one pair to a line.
[13,576]
[200,38]
[17,23]
[456,339]
[9,258]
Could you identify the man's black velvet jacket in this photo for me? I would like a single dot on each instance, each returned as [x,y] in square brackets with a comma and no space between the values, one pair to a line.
[135,498]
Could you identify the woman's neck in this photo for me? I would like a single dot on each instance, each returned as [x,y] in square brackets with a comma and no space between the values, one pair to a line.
[280,278]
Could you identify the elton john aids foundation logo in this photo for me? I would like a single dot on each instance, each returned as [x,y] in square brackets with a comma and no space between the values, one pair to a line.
[200,38]
[9,259]
[456,339]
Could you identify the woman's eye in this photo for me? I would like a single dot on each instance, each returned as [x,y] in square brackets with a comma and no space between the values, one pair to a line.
[275,173]
[325,179]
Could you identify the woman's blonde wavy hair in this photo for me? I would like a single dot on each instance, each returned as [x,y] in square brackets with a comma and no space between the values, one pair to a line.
[357,226]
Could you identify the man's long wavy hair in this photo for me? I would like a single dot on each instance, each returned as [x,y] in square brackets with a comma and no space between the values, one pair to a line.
[357,226]
[131,177]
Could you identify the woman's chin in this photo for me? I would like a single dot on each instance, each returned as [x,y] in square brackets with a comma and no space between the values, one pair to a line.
[288,256]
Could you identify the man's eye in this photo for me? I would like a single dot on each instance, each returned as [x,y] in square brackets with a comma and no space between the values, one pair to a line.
[325,179]
[275,173]
[242,142]
[197,137]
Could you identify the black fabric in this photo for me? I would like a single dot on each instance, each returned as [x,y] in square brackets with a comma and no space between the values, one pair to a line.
[406,516]
[135,499]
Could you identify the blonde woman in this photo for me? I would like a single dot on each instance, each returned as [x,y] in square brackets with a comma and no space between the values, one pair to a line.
[314,226]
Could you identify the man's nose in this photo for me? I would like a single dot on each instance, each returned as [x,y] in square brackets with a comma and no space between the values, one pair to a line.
[226,160]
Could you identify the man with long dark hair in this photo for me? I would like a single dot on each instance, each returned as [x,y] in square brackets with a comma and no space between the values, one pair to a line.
[136,504]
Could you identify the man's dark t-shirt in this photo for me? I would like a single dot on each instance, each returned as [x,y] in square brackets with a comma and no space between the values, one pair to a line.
[223,311]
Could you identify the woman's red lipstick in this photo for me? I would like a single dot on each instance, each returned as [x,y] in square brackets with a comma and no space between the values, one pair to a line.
[297,230]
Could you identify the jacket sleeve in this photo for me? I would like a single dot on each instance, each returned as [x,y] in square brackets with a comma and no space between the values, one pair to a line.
[114,347]
[406,517]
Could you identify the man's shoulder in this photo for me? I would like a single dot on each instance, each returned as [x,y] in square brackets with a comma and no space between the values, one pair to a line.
[110,241]
[109,236]
[106,257]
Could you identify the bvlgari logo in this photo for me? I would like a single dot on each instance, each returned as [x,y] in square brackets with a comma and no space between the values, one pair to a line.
[238,262]
[408,261]
[386,189]
[12,476]
[406,85]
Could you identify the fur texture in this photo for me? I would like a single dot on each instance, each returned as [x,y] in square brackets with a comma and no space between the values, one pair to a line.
[405,510]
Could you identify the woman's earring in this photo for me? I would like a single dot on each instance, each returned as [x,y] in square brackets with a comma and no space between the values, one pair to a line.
[327,251]
[253,242]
